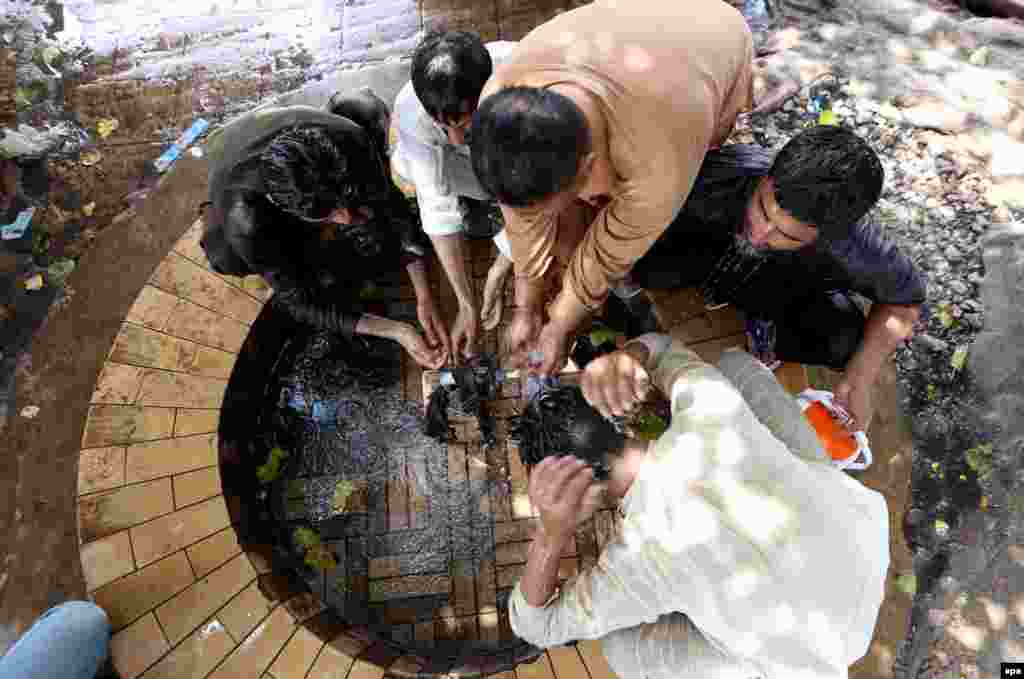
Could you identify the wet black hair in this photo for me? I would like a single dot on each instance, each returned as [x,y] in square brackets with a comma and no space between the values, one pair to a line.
[561,422]
[527,144]
[474,385]
[307,174]
[449,70]
[827,177]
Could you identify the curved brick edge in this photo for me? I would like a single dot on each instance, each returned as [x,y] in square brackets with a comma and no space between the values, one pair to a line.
[158,550]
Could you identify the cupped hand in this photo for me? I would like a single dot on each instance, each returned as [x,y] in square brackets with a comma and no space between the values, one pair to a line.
[434,329]
[464,333]
[417,347]
[615,383]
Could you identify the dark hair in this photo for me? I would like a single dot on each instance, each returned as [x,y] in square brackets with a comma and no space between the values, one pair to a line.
[307,174]
[449,70]
[561,422]
[827,177]
[368,111]
[527,144]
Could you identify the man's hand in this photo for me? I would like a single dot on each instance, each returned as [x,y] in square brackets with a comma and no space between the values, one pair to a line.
[615,383]
[433,327]
[464,332]
[421,352]
[553,347]
[563,491]
[854,396]
[524,330]
[494,288]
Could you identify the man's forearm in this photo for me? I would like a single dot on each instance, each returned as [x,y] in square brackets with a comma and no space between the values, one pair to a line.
[887,326]
[451,251]
[417,270]
[540,579]
[378,326]
[529,292]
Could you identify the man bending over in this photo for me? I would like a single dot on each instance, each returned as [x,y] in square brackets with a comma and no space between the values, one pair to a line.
[301,197]
[786,238]
[738,554]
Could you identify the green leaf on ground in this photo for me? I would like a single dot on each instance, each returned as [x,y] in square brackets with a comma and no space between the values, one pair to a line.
[959,358]
[342,490]
[602,334]
[270,470]
[941,528]
[931,392]
[946,316]
[307,538]
[321,558]
[650,427]
[907,583]
[979,458]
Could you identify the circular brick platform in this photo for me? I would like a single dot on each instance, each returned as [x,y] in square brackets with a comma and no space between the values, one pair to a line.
[158,550]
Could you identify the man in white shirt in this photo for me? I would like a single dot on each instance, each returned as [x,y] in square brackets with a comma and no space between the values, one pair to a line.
[432,116]
[742,552]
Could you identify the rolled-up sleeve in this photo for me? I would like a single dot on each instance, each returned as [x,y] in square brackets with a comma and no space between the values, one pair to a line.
[621,590]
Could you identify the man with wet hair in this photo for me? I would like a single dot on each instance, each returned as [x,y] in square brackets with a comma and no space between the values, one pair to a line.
[302,197]
[432,116]
[787,238]
[590,136]
[741,551]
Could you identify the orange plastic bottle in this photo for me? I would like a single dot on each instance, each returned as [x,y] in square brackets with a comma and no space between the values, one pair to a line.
[838,441]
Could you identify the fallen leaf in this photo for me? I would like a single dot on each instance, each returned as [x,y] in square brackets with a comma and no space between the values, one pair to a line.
[106,126]
[946,317]
[984,503]
[29,412]
[941,528]
[60,269]
[959,358]
[828,117]
[907,583]
[90,158]
[88,208]
[35,282]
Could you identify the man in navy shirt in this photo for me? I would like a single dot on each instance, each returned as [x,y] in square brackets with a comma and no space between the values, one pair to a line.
[787,239]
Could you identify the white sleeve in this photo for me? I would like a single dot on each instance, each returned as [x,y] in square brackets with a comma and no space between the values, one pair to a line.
[501,242]
[419,162]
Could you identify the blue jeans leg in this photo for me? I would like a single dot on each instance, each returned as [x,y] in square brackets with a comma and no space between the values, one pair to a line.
[69,641]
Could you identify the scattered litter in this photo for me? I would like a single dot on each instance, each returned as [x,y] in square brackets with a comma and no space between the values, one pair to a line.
[90,158]
[106,126]
[87,210]
[35,282]
[16,229]
[196,152]
[29,412]
[941,528]
[60,269]
[984,504]
[166,160]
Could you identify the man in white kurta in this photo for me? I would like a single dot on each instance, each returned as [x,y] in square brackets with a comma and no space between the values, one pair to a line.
[737,555]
